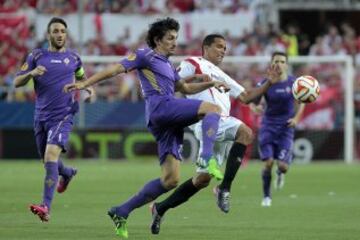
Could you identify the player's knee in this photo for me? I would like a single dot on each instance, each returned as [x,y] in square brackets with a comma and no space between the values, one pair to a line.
[202,180]
[283,168]
[268,164]
[245,135]
[207,108]
[171,183]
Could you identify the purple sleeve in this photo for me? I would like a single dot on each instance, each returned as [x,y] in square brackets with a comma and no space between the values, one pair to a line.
[177,76]
[28,65]
[135,60]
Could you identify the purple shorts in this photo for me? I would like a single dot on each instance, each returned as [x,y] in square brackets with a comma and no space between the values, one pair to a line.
[52,132]
[167,122]
[276,142]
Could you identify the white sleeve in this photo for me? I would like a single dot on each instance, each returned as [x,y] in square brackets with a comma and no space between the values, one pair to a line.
[186,69]
[235,88]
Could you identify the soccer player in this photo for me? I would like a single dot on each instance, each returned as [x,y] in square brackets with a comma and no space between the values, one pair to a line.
[50,69]
[232,136]
[276,133]
[166,116]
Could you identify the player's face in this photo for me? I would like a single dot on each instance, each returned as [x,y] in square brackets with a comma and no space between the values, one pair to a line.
[216,51]
[57,35]
[167,44]
[280,62]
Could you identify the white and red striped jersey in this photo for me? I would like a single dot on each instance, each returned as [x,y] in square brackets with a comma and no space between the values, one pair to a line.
[199,65]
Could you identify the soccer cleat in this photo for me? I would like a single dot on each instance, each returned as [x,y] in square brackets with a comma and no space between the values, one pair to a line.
[266,202]
[279,181]
[41,211]
[120,224]
[156,220]
[213,169]
[64,181]
[222,199]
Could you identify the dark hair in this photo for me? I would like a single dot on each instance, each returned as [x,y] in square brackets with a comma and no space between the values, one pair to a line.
[56,20]
[158,29]
[277,53]
[210,39]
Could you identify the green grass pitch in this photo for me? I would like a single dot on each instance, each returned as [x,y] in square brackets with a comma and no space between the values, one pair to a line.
[319,201]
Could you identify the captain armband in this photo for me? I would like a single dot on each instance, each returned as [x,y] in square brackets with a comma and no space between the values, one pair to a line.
[79,73]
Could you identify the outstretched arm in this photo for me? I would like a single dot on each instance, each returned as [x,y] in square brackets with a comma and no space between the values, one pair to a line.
[98,77]
[273,74]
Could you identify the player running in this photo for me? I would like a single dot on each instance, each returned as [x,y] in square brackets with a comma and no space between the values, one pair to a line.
[50,69]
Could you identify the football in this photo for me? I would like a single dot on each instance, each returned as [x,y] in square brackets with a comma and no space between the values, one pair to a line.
[306,89]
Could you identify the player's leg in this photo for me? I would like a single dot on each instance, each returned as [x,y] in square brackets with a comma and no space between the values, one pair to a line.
[40,136]
[60,137]
[284,157]
[210,114]
[266,138]
[52,153]
[170,168]
[266,182]
[243,136]
[182,194]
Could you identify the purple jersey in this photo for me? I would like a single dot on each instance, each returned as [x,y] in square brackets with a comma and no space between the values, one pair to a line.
[166,116]
[51,101]
[280,103]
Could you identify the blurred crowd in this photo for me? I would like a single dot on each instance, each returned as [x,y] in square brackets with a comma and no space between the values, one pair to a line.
[17,37]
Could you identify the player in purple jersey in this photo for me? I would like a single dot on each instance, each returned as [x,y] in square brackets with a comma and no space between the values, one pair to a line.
[276,134]
[166,116]
[50,69]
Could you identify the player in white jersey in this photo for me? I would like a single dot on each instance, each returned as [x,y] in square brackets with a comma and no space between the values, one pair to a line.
[232,136]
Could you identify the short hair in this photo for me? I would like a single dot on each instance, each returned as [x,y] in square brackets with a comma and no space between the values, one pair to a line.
[158,29]
[210,39]
[278,53]
[56,20]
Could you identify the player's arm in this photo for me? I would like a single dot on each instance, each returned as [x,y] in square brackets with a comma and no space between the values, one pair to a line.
[299,109]
[187,86]
[273,74]
[249,96]
[23,79]
[98,77]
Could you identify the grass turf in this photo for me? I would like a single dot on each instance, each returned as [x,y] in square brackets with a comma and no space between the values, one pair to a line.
[319,201]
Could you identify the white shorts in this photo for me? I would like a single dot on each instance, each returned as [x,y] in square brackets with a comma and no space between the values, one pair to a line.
[225,137]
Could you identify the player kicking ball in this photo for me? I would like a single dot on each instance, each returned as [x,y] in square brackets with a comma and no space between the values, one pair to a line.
[232,136]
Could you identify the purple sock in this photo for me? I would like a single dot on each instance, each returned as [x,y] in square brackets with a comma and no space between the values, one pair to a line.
[50,182]
[150,192]
[266,178]
[63,170]
[210,125]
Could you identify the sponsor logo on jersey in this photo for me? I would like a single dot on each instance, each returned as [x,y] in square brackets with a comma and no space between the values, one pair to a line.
[66,61]
[55,61]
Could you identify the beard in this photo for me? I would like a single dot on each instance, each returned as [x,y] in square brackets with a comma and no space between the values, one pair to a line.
[56,45]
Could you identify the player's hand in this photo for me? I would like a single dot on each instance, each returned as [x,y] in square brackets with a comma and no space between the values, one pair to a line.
[292,122]
[221,86]
[74,86]
[38,71]
[273,74]
[257,109]
[90,95]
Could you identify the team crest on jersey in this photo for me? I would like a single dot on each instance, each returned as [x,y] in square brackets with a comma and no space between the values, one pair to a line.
[66,61]
[288,89]
[131,57]
[24,67]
